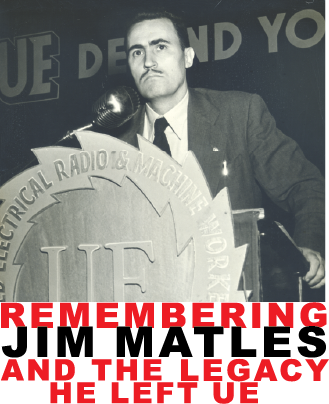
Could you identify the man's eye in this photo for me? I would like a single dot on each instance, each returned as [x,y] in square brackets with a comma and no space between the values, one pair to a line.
[137,53]
[161,47]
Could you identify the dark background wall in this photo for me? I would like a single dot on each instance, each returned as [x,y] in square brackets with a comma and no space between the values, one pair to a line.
[291,79]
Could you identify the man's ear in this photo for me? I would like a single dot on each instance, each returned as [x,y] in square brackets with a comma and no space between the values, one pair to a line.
[189,56]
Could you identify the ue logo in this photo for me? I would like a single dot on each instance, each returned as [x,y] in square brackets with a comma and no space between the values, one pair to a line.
[28,68]
[119,279]
[100,229]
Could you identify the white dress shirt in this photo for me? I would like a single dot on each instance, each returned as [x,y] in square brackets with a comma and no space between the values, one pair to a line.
[176,132]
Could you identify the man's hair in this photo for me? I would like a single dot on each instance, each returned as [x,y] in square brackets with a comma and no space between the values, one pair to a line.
[178,24]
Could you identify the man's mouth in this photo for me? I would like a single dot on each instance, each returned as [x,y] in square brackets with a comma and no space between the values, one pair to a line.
[150,74]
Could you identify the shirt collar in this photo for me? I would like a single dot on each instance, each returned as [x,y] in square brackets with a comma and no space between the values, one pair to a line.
[175,117]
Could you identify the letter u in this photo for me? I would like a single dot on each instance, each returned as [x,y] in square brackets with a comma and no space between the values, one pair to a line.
[5,89]
[229,395]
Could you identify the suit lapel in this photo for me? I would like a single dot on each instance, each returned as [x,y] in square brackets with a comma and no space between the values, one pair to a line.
[205,139]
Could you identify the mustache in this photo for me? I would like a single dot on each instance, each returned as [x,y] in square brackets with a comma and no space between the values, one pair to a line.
[149,70]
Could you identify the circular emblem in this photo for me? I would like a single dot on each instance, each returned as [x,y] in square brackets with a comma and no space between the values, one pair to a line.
[109,222]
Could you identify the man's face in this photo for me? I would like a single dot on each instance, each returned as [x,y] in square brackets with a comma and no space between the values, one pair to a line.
[156,59]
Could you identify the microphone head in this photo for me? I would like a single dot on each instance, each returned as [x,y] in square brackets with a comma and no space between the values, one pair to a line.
[116,107]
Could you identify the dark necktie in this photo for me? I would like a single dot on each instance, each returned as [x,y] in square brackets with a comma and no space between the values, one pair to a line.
[160,138]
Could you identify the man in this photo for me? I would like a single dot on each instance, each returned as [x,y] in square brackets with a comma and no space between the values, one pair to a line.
[232,134]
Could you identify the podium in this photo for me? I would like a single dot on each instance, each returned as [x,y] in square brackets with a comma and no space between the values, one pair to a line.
[109,222]
[246,232]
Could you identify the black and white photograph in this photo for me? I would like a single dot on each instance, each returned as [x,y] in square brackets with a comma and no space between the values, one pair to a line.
[162,150]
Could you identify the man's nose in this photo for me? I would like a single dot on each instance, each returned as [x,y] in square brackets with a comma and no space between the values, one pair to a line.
[149,60]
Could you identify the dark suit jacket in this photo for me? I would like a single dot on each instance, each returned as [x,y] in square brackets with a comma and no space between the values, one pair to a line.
[258,155]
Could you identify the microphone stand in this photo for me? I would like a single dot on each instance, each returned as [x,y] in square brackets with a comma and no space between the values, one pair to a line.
[70,134]
[112,110]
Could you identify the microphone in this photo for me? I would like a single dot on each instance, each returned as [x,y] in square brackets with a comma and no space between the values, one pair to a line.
[112,109]
[116,107]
